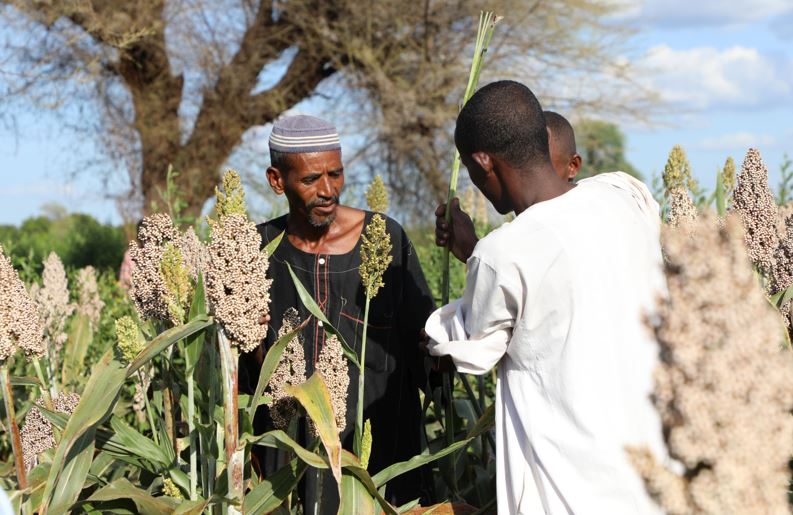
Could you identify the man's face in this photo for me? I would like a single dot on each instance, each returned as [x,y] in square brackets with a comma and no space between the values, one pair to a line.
[487,183]
[312,185]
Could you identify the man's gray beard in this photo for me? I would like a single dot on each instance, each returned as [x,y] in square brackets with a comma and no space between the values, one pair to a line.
[321,224]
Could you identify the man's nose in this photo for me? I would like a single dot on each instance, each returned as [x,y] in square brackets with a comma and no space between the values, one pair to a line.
[325,188]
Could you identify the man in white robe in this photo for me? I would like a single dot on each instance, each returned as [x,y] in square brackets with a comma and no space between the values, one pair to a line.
[557,300]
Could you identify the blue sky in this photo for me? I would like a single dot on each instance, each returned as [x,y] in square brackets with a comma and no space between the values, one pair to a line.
[724,68]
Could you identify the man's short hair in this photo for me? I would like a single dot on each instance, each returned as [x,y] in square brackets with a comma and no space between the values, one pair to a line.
[561,131]
[505,119]
[280,160]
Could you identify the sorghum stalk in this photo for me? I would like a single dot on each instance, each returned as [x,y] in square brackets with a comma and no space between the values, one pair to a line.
[167,399]
[154,431]
[359,411]
[375,259]
[16,442]
[234,455]
[192,435]
[487,23]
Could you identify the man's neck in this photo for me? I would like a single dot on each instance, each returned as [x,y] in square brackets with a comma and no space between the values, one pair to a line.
[537,185]
[338,237]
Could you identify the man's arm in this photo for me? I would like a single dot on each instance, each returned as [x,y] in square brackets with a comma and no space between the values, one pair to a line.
[475,330]
[459,235]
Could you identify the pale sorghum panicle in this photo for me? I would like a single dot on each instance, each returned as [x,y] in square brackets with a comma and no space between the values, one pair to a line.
[194,252]
[375,255]
[88,302]
[291,371]
[332,364]
[36,433]
[377,196]
[148,291]
[681,208]
[723,387]
[53,301]
[783,212]
[163,270]
[236,280]
[783,260]
[20,324]
[754,201]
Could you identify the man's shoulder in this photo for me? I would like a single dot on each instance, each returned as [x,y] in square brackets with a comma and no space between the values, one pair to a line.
[270,229]
[525,237]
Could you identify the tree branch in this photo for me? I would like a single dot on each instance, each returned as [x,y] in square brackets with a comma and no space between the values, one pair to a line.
[305,72]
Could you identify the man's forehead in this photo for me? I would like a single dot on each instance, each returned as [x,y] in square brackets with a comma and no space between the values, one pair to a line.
[316,161]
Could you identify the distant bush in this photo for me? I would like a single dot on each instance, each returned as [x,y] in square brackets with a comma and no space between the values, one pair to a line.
[79,239]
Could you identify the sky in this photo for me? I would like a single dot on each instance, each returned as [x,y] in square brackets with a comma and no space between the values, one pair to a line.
[724,70]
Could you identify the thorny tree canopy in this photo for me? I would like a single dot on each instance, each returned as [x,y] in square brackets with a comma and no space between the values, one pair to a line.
[181,82]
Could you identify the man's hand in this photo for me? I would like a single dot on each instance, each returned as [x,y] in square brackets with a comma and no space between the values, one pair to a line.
[439,363]
[459,235]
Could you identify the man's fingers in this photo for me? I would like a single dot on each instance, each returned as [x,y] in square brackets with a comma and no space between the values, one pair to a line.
[264,319]
[440,210]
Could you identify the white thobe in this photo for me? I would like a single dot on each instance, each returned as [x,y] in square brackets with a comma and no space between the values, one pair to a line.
[558,300]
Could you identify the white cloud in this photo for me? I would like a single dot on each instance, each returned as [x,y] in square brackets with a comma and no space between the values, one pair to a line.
[702,13]
[705,77]
[736,140]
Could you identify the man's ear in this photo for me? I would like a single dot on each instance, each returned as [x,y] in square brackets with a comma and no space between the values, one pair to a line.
[276,179]
[573,166]
[484,160]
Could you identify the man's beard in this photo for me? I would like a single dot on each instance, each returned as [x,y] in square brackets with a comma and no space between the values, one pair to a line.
[321,223]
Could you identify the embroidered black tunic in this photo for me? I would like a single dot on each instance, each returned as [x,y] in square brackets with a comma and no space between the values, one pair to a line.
[395,367]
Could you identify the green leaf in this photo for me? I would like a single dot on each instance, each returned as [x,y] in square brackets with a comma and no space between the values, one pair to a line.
[192,507]
[168,338]
[270,363]
[313,308]
[24,381]
[270,247]
[271,492]
[315,398]
[137,444]
[75,450]
[147,505]
[362,478]
[75,349]
[785,297]
[194,344]
[356,498]
[485,423]
[278,439]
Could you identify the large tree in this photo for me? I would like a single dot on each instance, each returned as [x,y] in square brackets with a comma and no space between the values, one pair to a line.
[181,82]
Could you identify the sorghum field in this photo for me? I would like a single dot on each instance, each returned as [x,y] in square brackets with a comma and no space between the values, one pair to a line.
[122,397]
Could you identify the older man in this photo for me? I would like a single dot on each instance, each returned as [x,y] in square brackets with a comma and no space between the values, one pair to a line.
[557,300]
[322,244]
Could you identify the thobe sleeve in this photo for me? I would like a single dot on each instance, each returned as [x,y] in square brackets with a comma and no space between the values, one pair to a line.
[476,329]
